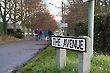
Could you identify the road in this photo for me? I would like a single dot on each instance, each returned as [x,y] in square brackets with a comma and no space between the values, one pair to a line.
[16,53]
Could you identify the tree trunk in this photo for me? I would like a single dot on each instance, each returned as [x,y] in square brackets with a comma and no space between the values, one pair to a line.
[22,23]
[4,25]
[15,12]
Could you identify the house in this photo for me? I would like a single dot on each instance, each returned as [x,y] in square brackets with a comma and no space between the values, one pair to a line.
[10,28]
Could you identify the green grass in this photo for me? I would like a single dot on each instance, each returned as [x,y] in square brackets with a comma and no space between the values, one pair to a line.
[45,63]
[101,64]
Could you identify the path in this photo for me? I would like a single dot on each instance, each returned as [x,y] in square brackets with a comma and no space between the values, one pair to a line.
[17,53]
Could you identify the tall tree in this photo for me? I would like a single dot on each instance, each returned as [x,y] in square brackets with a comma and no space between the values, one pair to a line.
[14,14]
[45,21]
[37,14]
[31,8]
[77,12]
[5,9]
[102,7]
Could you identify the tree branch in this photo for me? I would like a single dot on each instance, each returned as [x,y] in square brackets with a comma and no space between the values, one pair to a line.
[8,11]
[1,11]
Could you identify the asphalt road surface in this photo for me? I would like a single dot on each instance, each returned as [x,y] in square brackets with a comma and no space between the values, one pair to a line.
[16,53]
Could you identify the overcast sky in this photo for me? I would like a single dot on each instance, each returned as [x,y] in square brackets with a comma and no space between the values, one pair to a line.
[54,8]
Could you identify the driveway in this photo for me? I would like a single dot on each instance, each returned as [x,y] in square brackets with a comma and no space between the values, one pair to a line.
[16,53]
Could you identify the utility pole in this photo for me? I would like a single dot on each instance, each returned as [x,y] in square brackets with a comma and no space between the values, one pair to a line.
[61,53]
[62,12]
[63,18]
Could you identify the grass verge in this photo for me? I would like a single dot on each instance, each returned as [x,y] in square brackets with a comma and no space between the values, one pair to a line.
[6,39]
[45,63]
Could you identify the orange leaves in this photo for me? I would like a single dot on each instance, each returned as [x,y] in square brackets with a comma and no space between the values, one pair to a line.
[45,21]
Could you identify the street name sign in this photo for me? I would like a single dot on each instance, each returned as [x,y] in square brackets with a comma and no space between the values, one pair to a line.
[71,43]
[62,24]
[85,0]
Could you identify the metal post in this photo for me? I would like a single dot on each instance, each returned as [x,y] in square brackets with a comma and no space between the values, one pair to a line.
[91,23]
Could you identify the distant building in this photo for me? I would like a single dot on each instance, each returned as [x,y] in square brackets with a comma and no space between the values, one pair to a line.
[10,25]
[10,28]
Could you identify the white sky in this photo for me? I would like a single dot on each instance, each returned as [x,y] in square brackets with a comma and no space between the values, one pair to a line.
[54,10]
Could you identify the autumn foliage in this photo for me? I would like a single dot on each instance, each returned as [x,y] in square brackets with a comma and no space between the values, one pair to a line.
[45,21]
[76,12]
[39,16]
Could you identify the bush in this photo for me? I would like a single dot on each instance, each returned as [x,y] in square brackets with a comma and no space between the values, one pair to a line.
[81,29]
[101,33]
[19,35]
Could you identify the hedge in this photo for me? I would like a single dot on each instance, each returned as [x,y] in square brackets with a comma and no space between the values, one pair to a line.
[101,33]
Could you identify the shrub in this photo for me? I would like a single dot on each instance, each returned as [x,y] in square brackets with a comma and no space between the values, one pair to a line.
[101,33]
[81,29]
[19,35]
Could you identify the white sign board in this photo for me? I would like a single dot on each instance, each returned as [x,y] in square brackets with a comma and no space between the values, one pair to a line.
[63,25]
[77,44]
[85,0]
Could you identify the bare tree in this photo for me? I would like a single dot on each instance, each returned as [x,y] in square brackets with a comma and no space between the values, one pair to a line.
[102,7]
[5,9]
[77,12]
